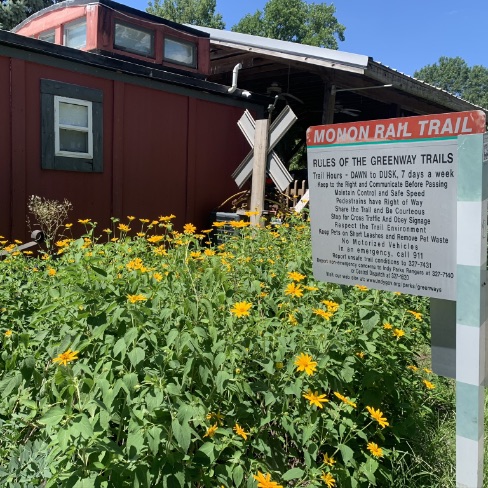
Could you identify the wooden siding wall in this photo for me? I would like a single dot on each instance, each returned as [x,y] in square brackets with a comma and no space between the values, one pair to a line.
[163,153]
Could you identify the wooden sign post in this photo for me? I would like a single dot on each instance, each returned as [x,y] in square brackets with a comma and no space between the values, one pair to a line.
[401,205]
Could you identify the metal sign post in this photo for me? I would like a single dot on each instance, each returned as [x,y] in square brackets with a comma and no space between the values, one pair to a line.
[472,199]
[401,205]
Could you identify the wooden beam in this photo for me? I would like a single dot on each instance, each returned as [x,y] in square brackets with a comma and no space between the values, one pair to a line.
[259,169]
[328,104]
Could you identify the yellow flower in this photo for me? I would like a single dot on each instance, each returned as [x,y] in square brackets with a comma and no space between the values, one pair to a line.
[429,385]
[240,309]
[68,226]
[51,272]
[329,460]
[157,276]
[189,229]
[344,399]
[264,481]
[141,234]
[123,227]
[412,367]
[304,362]
[211,431]
[209,252]
[239,224]
[315,398]
[240,431]
[295,276]
[218,417]
[360,354]
[322,313]
[84,221]
[398,333]
[331,306]
[130,217]
[160,251]
[396,293]
[375,450]
[66,357]
[378,416]
[328,479]
[428,371]
[144,221]
[361,287]
[292,319]
[136,298]
[250,214]
[387,326]
[417,315]
[108,231]
[167,218]
[8,333]
[155,239]
[294,290]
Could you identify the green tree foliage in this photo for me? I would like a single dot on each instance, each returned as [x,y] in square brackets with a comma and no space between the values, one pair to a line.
[296,21]
[195,12]
[13,12]
[455,76]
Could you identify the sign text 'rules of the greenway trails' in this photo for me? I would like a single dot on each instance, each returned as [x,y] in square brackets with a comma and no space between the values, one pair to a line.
[383,199]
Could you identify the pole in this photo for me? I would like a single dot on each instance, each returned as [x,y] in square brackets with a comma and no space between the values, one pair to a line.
[472,199]
[259,169]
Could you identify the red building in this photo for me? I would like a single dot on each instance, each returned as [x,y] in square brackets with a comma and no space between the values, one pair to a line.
[109,108]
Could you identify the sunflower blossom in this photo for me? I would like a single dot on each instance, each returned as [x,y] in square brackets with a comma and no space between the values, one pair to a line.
[344,399]
[329,460]
[240,431]
[136,298]
[66,357]
[378,416]
[211,431]
[387,326]
[315,398]
[375,450]
[361,287]
[295,276]
[294,290]
[328,479]
[417,315]
[322,313]
[240,309]
[189,229]
[429,385]
[304,362]
[264,481]
[398,333]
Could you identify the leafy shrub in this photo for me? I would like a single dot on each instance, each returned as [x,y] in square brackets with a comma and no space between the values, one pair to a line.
[163,360]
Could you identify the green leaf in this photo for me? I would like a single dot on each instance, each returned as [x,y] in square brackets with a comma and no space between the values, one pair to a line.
[136,356]
[120,348]
[53,416]
[293,474]
[135,443]
[222,377]
[369,320]
[182,434]
[347,453]
[84,427]
[171,337]
[238,475]
[208,449]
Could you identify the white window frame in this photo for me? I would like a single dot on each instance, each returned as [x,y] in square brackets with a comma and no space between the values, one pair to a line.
[58,127]
[74,23]
[48,33]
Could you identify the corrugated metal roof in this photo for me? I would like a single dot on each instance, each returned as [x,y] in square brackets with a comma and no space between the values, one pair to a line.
[286,47]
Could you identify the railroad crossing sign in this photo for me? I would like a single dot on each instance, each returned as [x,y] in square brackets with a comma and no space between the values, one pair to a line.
[275,168]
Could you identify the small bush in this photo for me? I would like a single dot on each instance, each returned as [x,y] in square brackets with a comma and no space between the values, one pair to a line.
[160,360]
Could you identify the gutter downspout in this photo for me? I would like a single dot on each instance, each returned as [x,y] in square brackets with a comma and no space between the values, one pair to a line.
[235,72]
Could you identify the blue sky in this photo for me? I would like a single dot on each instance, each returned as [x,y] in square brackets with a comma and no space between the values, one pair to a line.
[403,35]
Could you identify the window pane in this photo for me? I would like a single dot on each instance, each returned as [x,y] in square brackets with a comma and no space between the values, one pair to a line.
[72,114]
[47,36]
[179,52]
[134,40]
[73,141]
[75,35]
